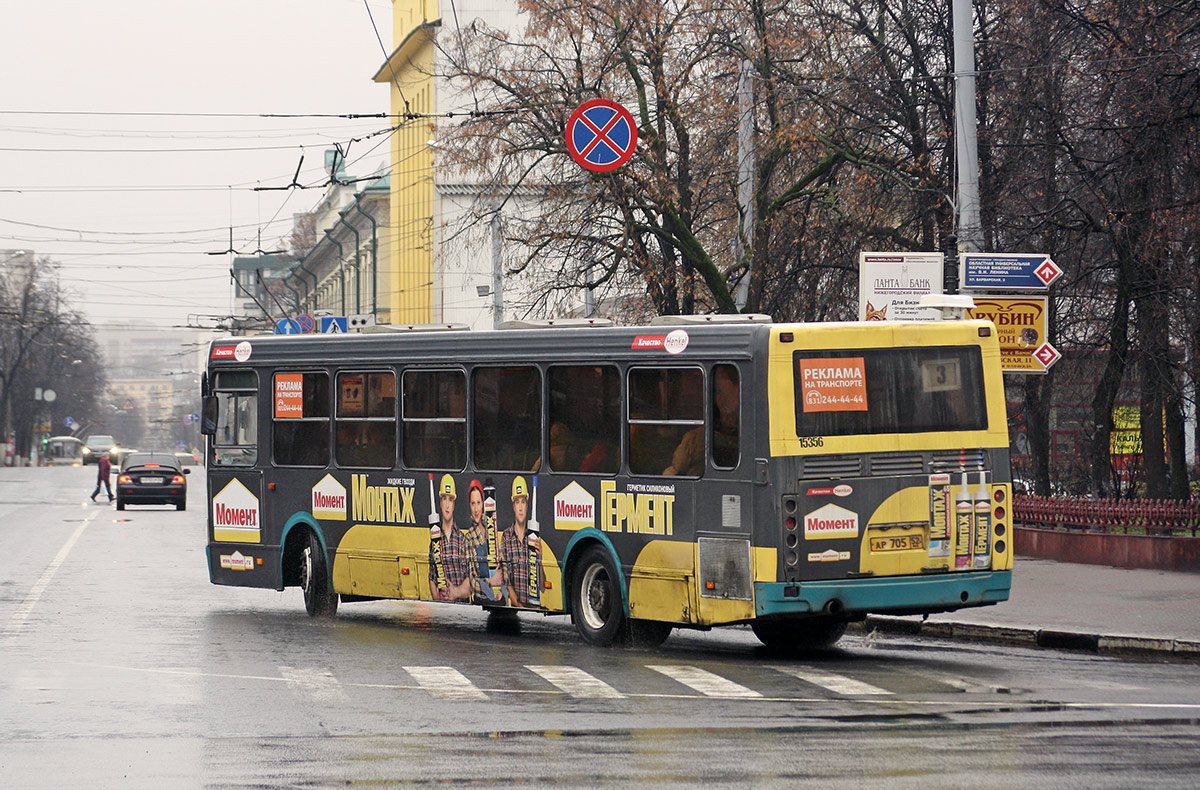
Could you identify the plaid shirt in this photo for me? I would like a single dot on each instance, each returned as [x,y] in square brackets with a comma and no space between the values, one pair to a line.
[514,559]
[454,559]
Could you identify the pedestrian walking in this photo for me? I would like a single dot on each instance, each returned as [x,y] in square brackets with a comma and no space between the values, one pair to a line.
[103,469]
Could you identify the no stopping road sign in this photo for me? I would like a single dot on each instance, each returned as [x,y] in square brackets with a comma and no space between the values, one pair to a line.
[601,135]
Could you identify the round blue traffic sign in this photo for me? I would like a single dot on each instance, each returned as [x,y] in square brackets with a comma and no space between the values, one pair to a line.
[305,323]
[601,135]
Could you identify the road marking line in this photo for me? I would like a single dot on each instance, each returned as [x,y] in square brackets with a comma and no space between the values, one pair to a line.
[320,684]
[35,593]
[838,684]
[576,682]
[704,681]
[445,683]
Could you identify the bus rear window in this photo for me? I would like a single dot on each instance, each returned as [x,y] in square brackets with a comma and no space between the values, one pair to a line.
[893,390]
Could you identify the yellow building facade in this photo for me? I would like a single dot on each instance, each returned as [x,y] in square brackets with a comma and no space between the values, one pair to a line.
[408,287]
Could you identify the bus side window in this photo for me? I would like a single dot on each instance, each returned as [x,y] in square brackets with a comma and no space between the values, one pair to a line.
[726,416]
[585,418]
[235,442]
[365,425]
[433,411]
[301,419]
[666,421]
[507,418]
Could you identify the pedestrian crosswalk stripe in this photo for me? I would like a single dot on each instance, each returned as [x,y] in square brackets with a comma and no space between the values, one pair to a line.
[838,684]
[320,684]
[445,683]
[576,682]
[703,681]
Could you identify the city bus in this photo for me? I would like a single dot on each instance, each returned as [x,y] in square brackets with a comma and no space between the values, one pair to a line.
[690,473]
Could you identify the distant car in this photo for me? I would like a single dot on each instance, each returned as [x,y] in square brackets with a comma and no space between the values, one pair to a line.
[117,456]
[188,459]
[152,479]
[97,445]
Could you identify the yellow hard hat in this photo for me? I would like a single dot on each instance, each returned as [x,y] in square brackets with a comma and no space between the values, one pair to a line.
[519,488]
[447,487]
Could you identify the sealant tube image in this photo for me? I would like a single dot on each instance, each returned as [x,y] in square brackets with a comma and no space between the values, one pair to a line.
[534,539]
[435,544]
[489,523]
[982,548]
[940,519]
[964,518]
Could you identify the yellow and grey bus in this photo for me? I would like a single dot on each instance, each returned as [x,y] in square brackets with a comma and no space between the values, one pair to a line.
[694,472]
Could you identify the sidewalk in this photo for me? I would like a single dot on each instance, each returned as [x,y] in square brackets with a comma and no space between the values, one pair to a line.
[1079,607]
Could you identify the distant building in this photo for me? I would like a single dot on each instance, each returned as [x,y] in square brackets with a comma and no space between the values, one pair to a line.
[346,271]
[260,289]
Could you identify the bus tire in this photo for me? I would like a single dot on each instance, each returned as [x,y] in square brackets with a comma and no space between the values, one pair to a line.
[597,607]
[648,633]
[810,633]
[319,599]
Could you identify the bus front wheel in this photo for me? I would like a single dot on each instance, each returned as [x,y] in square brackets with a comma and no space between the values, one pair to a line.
[597,607]
[319,599]
[810,633]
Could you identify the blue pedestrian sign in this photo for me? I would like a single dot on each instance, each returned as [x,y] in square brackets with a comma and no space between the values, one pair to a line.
[601,135]
[1007,271]
[333,324]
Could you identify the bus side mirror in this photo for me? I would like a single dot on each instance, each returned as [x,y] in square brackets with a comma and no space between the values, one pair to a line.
[208,415]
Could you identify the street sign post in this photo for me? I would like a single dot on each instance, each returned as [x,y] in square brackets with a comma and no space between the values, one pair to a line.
[994,271]
[601,135]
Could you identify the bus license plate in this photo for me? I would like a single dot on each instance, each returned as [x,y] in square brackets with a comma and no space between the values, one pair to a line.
[152,480]
[898,543]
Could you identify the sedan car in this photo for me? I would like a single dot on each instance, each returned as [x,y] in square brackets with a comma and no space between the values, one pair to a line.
[98,444]
[152,479]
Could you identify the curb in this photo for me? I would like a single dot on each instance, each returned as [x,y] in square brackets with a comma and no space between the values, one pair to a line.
[1101,644]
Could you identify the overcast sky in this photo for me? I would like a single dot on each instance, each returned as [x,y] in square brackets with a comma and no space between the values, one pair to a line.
[94,95]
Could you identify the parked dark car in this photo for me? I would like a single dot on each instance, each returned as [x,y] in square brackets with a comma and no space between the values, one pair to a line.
[152,479]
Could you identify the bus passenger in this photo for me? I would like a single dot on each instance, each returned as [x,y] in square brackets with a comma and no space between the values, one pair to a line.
[514,549]
[688,459]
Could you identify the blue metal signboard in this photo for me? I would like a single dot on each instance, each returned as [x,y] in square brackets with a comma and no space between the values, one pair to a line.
[333,324]
[286,326]
[996,271]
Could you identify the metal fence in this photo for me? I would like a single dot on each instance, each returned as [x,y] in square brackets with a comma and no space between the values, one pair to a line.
[1122,516]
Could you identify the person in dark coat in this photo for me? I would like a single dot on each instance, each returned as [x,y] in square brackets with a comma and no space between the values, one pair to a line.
[103,469]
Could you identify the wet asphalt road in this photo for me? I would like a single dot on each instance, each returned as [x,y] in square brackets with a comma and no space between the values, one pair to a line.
[121,666]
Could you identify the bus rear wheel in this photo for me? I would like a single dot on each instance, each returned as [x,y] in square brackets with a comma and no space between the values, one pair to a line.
[810,633]
[319,599]
[597,607]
